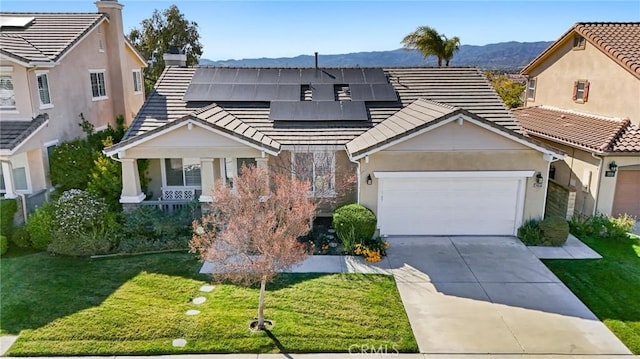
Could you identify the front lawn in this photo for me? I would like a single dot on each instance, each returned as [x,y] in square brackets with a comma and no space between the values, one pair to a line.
[137,305]
[610,287]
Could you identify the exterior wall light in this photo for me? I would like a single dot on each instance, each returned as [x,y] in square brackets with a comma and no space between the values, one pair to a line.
[613,166]
[369,180]
[538,180]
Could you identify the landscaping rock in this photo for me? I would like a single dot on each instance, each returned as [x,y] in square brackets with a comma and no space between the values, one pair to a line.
[193,312]
[207,288]
[179,343]
[333,244]
[199,300]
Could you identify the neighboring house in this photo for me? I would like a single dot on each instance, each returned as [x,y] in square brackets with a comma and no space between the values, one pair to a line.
[53,67]
[583,97]
[434,150]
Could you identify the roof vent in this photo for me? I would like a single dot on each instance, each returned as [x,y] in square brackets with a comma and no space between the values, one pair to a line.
[175,56]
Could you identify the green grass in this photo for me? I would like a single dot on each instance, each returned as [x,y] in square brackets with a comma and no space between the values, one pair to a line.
[610,287]
[137,305]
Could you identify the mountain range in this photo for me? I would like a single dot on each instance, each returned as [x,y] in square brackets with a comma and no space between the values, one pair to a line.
[504,56]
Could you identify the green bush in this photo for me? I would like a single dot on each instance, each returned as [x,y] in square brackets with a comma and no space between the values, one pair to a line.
[8,209]
[602,226]
[530,232]
[21,238]
[149,229]
[4,245]
[354,224]
[105,181]
[83,225]
[40,226]
[71,164]
[554,231]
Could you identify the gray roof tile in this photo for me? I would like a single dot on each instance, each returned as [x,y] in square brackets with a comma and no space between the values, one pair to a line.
[12,133]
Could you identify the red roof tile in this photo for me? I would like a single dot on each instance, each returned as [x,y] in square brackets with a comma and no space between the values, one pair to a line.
[593,133]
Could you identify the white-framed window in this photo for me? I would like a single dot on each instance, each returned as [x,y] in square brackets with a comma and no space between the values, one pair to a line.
[7,93]
[19,180]
[98,85]
[581,91]
[182,172]
[42,78]
[531,89]
[137,81]
[319,168]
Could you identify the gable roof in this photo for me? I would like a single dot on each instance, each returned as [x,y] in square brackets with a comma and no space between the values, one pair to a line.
[211,117]
[48,37]
[463,87]
[14,133]
[592,133]
[618,40]
[419,116]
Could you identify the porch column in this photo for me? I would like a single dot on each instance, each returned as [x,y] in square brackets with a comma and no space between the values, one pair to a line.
[262,162]
[131,192]
[206,179]
[9,184]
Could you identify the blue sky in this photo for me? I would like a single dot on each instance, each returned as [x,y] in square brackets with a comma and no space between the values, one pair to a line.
[248,29]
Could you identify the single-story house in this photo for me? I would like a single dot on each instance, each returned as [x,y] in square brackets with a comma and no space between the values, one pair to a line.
[434,150]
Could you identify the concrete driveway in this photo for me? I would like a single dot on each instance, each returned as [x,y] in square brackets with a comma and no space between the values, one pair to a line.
[480,295]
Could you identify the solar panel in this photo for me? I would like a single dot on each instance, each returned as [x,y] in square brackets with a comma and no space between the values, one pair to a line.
[308,76]
[268,76]
[331,76]
[375,76]
[322,92]
[203,75]
[225,76]
[243,92]
[246,76]
[288,93]
[384,92]
[353,76]
[266,92]
[220,92]
[361,92]
[289,76]
[354,111]
[197,92]
[318,111]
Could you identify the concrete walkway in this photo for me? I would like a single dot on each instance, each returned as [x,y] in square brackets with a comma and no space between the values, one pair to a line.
[479,295]
[572,249]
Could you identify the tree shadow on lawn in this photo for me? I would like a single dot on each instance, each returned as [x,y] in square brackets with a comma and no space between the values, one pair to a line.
[39,288]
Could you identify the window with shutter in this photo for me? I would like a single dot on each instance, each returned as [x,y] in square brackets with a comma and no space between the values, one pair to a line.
[580,91]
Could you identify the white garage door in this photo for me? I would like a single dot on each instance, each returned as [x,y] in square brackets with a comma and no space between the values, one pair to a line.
[450,205]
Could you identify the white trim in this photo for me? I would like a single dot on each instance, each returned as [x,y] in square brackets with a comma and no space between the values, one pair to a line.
[185,123]
[14,60]
[140,83]
[205,198]
[454,174]
[9,111]
[101,98]
[43,106]
[522,192]
[101,128]
[50,143]
[104,83]
[6,69]
[312,148]
[449,120]
[133,199]
[11,152]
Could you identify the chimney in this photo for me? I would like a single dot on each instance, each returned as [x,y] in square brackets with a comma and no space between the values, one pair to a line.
[175,57]
[118,72]
[316,54]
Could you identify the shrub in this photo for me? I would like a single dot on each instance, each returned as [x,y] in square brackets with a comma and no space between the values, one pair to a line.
[40,226]
[354,224]
[554,231]
[4,245]
[530,232]
[83,226]
[150,229]
[105,181]
[21,238]
[71,164]
[602,226]
[8,209]
[372,249]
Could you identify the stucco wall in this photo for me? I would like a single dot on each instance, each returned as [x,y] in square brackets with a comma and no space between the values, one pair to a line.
[613,90]
[608,184]
[19,76]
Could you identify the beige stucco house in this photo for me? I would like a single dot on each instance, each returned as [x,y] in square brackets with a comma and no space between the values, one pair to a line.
[583,97]
[433,150]
[53,67]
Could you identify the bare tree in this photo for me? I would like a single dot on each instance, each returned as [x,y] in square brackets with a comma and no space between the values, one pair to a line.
[252,232]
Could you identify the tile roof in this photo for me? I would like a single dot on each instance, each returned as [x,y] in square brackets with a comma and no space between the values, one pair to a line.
[49,35]
[462,87]
[618,40]
[12,133]
[589,132]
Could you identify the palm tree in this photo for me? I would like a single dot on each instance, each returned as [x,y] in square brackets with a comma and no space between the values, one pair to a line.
[431,43]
